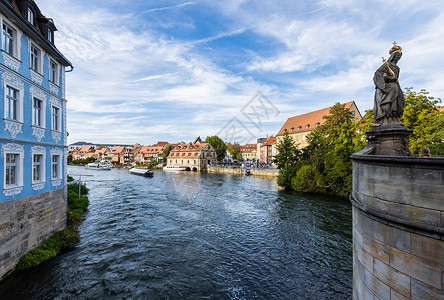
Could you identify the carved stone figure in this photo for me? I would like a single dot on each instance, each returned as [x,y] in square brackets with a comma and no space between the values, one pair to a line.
[389,98]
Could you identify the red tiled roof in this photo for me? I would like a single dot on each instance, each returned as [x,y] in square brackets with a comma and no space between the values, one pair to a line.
[309,119]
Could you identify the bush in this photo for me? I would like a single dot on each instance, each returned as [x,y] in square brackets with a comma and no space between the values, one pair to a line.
[308,180]
[52,246]
[284,177]
[75,188]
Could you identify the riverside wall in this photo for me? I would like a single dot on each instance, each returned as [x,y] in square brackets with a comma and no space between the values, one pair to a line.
[398,227]
[26,222]
[237,171]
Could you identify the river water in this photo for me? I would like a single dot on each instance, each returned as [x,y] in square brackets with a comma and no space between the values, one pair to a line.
[198,236]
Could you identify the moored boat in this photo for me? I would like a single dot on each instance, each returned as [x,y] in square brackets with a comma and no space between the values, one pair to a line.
[173,168]
[99,166]
[141,172]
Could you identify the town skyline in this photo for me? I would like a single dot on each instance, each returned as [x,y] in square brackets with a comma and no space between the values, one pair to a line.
[172,71]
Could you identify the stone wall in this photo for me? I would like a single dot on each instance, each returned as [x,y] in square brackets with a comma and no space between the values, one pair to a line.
[26,222]
[398,227]
[237,171]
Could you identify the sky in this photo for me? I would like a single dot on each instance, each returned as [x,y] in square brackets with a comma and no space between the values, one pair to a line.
[170,70]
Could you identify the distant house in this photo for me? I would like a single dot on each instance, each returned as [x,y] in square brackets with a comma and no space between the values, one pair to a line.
[267,150]
[249,152]
[151,153]
[196,155]
[300,126]
[101,153]
[116,153]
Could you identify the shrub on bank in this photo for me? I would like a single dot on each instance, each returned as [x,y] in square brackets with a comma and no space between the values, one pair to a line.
[61,240]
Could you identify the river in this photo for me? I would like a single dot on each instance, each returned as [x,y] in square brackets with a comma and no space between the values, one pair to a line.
[198,236]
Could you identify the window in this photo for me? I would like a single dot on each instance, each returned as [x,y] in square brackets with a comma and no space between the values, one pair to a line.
[353,113]
[9,35]
[317,124]
[37,112]
[35,58]
[55,167]
[299,128]
[30,16]
[11,104]
[53,76]
[37,168]
[12,170]
[50,35]
[55,124]
[307,126]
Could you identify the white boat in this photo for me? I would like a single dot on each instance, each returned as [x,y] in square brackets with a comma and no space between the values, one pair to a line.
[141,172]
[99,166]
[172,168]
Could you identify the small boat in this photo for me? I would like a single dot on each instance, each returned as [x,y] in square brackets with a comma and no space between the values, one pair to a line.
[141,172]
[99,166]
[174,168]
[247,172]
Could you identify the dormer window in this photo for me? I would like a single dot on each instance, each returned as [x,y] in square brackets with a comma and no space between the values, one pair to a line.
[31,16]
[291,129]
[317,124]
[299,128]
[307,126]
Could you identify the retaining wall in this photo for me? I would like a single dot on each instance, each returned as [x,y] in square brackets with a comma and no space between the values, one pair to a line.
[26,222]
[234,171]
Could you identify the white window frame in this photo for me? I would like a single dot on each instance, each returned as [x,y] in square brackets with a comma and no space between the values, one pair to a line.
[31,16]
[58,166]
[35,58]
[53,73]
[42,113]
[13,39]
[42,166]
[19,98]
[19,166]
[56,126]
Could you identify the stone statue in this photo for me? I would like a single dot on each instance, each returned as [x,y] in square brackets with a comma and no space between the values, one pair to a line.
[389,98]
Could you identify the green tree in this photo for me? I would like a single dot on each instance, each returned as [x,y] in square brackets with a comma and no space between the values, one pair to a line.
[287,160]
[235,152]
[288,153]
[421,115]
[329,148]
[166,151]
[219,145]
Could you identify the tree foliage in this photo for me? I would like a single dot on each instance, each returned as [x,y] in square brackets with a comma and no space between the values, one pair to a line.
[166,151]
[421,115]
[235,152]
[219,145]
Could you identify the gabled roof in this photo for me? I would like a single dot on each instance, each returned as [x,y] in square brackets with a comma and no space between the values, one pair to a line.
[308,121]
[270,141]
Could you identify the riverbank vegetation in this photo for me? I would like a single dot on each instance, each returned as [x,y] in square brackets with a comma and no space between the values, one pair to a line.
[61,240]
[324,165]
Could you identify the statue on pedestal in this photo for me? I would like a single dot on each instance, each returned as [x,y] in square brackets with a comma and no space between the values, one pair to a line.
[389,98]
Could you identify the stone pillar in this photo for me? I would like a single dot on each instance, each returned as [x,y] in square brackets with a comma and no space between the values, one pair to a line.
[398,225]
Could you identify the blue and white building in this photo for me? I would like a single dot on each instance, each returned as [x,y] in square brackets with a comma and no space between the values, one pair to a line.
[32,131]
[33,115]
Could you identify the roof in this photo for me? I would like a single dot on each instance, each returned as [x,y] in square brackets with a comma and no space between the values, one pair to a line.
[270,141]
[248,148]
[191,147]
[12,12]
[151,149]
[308,121]
[118,149]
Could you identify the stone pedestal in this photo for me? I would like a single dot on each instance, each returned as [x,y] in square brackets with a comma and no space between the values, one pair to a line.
[388,140]
[398,226]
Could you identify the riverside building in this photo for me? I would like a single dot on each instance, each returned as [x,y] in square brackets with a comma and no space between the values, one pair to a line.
[32,131]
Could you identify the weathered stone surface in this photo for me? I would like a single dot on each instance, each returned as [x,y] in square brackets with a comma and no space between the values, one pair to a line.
[377,249]
[28,221]
[397,296]
[363,257]
[413,266]
[420,290]
[376,286]
[428,248]
[391,277]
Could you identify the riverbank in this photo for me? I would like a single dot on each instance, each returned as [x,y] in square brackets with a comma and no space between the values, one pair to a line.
[241,172]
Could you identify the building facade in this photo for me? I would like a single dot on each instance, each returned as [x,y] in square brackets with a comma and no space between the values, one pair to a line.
[196,156]
[32,130]
[300,126]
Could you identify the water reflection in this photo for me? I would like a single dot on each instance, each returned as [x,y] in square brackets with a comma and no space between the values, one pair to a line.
[193,235]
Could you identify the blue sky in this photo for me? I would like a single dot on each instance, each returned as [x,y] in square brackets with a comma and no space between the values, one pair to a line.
[169,70]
